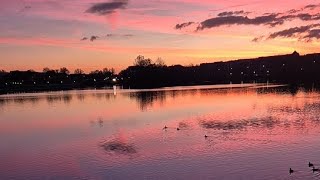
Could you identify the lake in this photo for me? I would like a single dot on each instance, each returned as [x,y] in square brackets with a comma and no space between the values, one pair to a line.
[253,131]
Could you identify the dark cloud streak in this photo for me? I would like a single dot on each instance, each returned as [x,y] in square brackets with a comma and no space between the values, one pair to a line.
[229,18]
[231,13]
[94,37]
[314,33]
[107,7]
[271,20]
[183,25]
[303,33]
[257,39]
[312,6]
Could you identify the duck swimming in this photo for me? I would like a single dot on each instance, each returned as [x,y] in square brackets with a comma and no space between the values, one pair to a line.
[310,164]
[291,171]
[314,169]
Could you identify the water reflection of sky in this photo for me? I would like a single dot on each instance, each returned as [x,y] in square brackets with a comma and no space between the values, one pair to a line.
[97,134]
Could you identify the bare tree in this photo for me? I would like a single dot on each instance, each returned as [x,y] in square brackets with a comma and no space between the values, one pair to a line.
[141,61]
[112,71]
[46,69]
[78,71]
[64,70]
[107,71]
[160,62]
[96,72]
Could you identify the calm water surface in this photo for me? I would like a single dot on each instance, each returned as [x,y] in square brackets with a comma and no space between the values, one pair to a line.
[253,133]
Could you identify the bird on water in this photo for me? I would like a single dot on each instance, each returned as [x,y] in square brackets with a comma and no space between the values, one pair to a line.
[315,169]
[291,171]
[310,164]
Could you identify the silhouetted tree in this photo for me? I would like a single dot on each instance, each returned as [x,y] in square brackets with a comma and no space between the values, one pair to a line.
[46,69]
[108,72]
[64,70]
[105,70]
[160,62]
[78,71]
[112,71]
[141,61]
[95,72]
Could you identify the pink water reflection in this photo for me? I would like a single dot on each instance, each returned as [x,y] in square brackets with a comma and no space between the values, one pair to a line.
[252,132]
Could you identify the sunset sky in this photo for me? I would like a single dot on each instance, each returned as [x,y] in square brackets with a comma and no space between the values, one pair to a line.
[93,34]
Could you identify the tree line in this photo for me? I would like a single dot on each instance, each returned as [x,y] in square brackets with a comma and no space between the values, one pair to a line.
[148,73]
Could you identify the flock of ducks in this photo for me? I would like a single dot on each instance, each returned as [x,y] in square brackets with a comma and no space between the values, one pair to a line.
[310,165]
[290,170]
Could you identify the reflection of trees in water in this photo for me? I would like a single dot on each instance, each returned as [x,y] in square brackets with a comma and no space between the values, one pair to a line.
[2,104]
[290,89]
[66,98]
[146,99]
[81,97]
[98,95]
[210,92]
[23,100]
[19,100]
[106,96]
